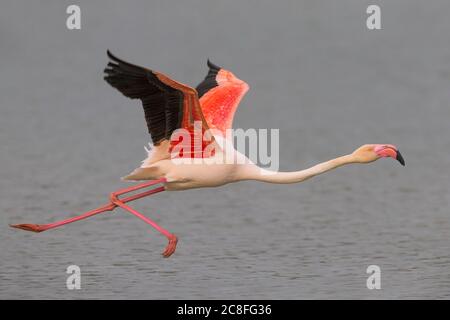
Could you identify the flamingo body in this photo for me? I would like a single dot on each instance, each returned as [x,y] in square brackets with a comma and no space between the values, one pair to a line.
[171,107]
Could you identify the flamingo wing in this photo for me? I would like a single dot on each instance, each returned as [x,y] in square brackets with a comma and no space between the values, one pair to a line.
[220,93]
[168,105]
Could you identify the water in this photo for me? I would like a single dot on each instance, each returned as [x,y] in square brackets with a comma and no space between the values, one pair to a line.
[315,72]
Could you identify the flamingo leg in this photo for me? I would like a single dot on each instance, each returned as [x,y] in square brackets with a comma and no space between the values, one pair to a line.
[43,227]
[173,240]
[115,202]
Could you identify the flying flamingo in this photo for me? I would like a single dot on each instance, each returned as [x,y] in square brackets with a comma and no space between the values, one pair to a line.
[170,106]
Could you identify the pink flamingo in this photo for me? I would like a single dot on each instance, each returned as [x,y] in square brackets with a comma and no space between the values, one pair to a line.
[170,106]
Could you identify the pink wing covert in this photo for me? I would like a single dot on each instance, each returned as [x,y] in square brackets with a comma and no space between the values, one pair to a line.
[220,94]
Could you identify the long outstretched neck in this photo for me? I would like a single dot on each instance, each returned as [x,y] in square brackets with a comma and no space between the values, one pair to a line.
[255,173]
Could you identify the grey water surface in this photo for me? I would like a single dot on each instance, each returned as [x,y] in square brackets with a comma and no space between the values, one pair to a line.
[316,73]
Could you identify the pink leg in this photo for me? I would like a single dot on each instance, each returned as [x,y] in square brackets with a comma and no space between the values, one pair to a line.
[44,227]
[170,249]
[115,202]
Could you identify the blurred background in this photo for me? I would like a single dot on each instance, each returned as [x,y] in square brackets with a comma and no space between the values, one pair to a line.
[315,71]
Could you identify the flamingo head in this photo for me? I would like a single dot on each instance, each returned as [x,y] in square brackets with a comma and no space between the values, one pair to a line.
[371,152]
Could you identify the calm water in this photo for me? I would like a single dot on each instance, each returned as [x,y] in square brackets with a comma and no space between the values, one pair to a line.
[315,72]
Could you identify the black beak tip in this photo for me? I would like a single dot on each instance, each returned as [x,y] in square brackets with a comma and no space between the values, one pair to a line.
[400,158]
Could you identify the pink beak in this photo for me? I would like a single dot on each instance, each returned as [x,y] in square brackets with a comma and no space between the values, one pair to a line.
[390,151]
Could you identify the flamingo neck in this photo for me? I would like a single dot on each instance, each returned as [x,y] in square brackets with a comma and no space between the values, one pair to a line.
[259,174]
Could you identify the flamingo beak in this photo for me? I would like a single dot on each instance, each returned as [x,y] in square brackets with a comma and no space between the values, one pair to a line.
[400,159]
[389,151]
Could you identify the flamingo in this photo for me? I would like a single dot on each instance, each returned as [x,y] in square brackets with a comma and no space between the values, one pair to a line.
[170,106]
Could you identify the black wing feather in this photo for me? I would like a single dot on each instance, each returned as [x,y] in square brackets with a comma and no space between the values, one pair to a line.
[163,105]
[210,80]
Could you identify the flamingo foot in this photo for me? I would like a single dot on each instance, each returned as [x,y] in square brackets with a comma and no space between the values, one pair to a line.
[170,249]
[29,227]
